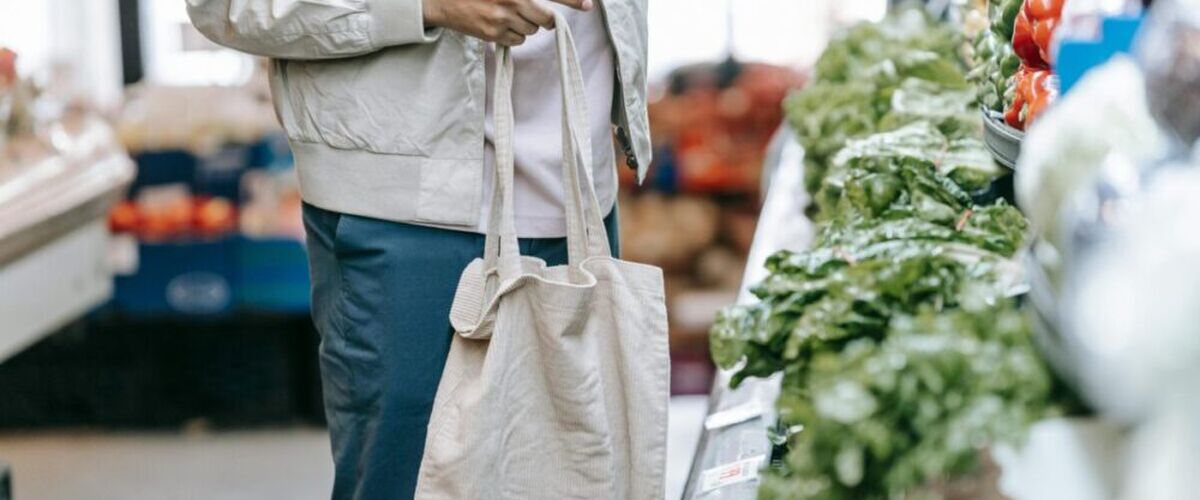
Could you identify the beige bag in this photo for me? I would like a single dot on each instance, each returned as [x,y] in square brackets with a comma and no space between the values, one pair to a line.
[557,383]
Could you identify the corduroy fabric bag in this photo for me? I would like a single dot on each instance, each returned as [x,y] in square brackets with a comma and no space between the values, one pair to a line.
[557,382]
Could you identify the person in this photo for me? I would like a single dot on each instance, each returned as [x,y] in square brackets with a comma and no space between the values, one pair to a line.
[386,104]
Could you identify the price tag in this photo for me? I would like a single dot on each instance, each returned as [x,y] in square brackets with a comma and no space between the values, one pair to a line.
[735,415]
[740,471]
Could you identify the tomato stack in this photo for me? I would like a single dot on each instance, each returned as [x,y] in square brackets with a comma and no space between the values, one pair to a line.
[1035,86]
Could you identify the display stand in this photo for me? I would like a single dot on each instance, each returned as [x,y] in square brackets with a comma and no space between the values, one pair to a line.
[54,250]
[734,443]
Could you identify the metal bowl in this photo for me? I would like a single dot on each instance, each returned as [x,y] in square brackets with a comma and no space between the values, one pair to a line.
[1003,141]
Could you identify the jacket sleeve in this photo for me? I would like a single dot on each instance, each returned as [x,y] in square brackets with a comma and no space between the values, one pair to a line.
[310,29]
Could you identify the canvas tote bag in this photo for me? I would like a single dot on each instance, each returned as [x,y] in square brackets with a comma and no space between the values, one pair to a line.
[557,382]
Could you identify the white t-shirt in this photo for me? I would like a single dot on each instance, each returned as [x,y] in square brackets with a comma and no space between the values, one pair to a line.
[537,111]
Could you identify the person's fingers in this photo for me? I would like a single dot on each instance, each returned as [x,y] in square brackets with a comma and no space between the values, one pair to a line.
[578,4]
[521,25]
[537,13]
[511,39]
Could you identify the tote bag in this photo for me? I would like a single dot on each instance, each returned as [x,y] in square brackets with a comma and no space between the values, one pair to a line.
[557,382]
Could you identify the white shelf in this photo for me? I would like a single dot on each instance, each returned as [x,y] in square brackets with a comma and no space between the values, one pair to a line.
[54,244]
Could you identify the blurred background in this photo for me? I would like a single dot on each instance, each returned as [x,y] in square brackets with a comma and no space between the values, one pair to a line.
[155,339]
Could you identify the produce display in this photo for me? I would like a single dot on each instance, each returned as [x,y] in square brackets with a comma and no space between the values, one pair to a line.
[1031,39]
[1012,59]
[270,208]
[994,62]
[903,355]
[862,77]
[715,122]
[171,213]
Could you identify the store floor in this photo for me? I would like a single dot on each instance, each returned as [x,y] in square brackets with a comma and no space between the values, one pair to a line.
[243,465]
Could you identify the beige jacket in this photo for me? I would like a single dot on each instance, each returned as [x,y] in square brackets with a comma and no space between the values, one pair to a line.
[385,116]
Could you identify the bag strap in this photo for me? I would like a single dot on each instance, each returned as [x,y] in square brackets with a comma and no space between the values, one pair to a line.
[581,207]
[586,236]
[501,240]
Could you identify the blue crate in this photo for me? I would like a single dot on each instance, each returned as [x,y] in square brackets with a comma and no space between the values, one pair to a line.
[155,168]
[220,173]
[272,275]
[215,174]
[273,151]
[193,278]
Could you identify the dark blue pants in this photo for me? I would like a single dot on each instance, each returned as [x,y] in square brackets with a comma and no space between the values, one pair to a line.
[381,302]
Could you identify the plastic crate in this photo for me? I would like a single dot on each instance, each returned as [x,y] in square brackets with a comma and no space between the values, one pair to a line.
[272,275]
[273,151]
[155,168]
[194,278]
[220,173]
[215,174]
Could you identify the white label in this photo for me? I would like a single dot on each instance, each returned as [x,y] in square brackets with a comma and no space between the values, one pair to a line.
[721,476]
[735,415]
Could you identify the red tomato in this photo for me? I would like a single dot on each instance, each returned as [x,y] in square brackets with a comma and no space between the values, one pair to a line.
[123,218]
[214,216]
[177,217]
[1043,34]
[1023,43]
[1043,9]
[1034,93]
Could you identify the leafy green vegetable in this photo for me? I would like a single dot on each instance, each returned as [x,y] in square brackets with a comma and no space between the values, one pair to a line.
[851,55]
[998,228]
[825,115]
[882,418]
[879,77]
[901,352]
[952,111]
[819,300]
[914,171]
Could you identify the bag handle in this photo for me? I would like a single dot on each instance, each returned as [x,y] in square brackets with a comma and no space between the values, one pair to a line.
[577,154]
[586,236]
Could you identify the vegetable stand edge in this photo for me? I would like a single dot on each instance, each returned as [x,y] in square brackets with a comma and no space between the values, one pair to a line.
[736,442]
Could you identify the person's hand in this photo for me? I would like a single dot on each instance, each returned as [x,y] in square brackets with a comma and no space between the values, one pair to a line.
[506,22]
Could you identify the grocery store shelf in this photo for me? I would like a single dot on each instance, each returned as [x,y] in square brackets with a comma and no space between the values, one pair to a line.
[54,244]
[52,285]
[54,197]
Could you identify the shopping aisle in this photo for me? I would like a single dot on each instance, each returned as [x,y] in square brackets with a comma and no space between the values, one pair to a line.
[244,465]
